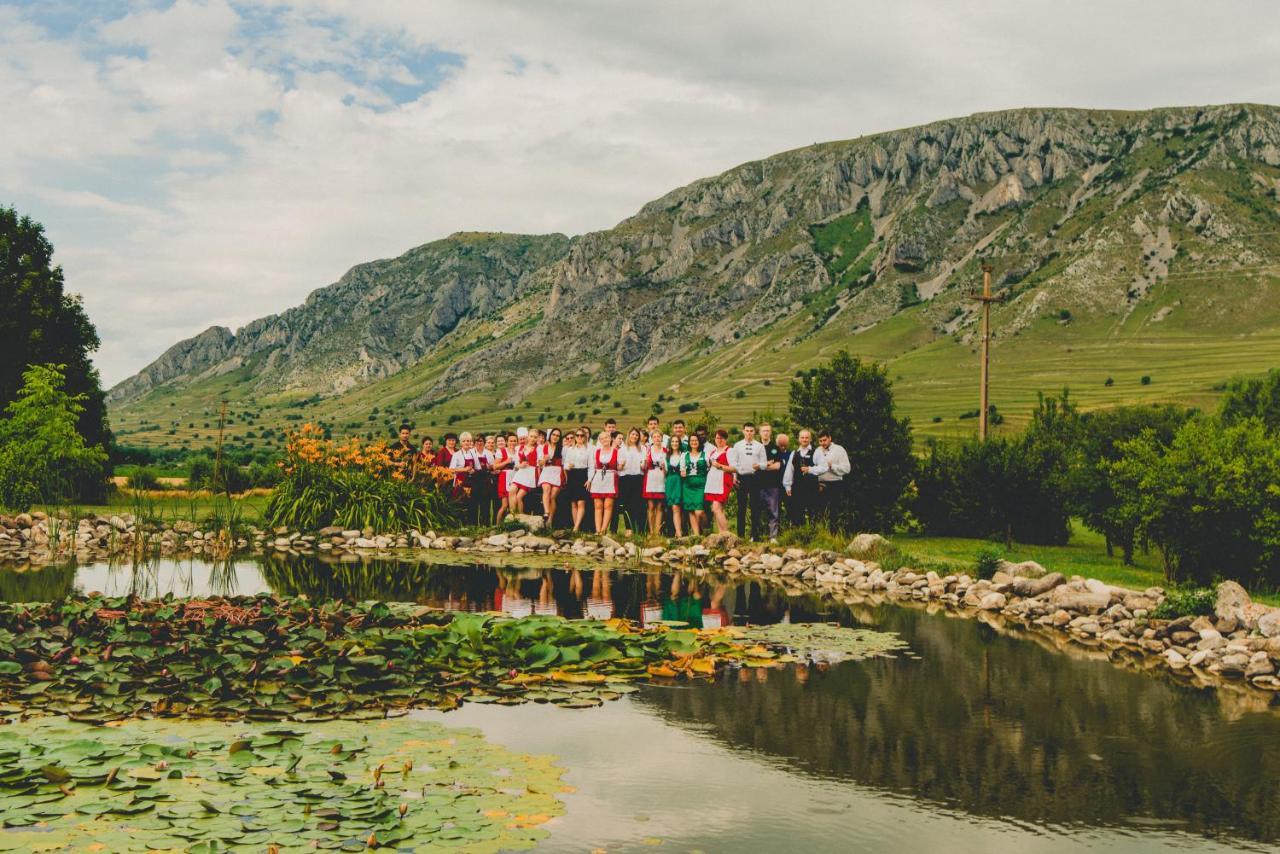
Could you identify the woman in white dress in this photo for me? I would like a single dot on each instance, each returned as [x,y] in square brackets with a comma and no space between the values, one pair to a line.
[524,474]
[604,478]
[551,474]
[655,480]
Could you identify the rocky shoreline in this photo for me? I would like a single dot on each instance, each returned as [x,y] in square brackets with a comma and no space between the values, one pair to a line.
[1239,644]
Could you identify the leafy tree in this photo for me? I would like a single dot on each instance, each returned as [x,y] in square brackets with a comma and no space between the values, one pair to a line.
[1101,436]
[1210,501]
[1254,398]
[854,401]
[42,324]
[43,457]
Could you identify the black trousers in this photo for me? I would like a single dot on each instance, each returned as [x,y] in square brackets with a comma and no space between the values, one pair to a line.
[631,502]
[770,504]
[748,503]
[804,500]
[829,497]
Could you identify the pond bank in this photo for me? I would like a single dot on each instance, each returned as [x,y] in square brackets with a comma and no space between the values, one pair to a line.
[1238,646]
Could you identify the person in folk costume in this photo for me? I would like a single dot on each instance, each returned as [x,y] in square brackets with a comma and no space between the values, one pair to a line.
[694,466]
[464,463]
[631,480]
[533,502]
[604,478]
[502,462]
[524,475]
[444,456]
[551,476]
[673,484]
[655,478]
[577,468]
[719,484]
[486,492]
[425,458]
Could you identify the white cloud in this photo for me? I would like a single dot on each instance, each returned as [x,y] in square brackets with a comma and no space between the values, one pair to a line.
[211,162]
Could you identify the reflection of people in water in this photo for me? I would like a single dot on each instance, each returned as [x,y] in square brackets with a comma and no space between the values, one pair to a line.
[546,603]
[600,602]
[715,614]
[683,607]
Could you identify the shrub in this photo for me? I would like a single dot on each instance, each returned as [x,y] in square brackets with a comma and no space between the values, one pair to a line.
[43,456]
[1146,379]
[987,561]
[1185,602]
[144,478]
[1253,398]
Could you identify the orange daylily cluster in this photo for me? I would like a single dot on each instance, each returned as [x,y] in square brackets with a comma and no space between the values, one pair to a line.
[308,446]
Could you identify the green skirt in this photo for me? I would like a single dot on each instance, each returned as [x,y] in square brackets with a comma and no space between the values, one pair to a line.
[673,489]
[693,493]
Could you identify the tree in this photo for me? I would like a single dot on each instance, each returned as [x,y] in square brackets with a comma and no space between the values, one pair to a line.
[1092,489]
[42,324]
[1210,501]
[43,456]
[1253,398]
[854,401]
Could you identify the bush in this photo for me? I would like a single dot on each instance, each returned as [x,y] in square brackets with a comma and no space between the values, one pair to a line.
[995,489]
[43,457]
[1146,379]
[854,401]
[144,478]
[1209,501]
[987,561]
[1254,398]
[1185,602]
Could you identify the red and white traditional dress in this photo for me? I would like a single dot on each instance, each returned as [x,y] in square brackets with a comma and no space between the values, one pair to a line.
[499,458]
[463,463]
[552,470]
[604,475]
[655,473]
[719,482]
[525,477]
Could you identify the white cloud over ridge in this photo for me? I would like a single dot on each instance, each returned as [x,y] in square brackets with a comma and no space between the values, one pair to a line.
[206,161]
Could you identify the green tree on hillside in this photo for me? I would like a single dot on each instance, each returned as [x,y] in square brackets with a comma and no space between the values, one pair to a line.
[854,401]
[1254,398]
[42,324]
[43,456]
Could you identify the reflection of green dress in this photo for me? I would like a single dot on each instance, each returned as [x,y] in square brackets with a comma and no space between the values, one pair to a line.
[695,481]
[672,486]
[685,609]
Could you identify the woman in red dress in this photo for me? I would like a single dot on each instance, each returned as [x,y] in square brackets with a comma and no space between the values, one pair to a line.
[655,480]
[501,464]
[604,478]
[524,478]
[551,476]
[720,481]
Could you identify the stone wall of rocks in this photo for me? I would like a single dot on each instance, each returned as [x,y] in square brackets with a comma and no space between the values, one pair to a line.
[1239,643]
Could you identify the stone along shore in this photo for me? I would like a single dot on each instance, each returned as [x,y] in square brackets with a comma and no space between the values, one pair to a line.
[1239,644]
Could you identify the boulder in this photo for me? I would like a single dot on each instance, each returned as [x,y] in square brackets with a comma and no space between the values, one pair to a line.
[1269,624]
[867,545]
[1230,600]
[1025,569]
[1259,665]
[720,541]
[1081,601]
[1027,586]
[530,522]
[496,540]
[992,602]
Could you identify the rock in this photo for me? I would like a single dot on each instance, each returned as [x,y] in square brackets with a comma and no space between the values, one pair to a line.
[350,535]
[1025,569]
[1230,600]
[365,543]
[609,542]
[867,545]
[1029,587]
[1093,585]
[1176,659]
[992,602]
[330,530]
[1259,665]
[1233,664]
[530,522]
[1269,624]
[1060,618]
[22,520]
[496,540]
[772,563]
[1084,601]
[721,541]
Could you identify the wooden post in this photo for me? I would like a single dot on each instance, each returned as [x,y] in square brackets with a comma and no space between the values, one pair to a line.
[984,397]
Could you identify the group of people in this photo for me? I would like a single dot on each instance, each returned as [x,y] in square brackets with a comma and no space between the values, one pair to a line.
[678,483]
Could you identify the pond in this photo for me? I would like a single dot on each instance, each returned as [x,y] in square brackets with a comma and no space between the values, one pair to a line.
[975,741]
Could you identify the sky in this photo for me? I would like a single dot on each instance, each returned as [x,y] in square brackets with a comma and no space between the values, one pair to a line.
[202,162]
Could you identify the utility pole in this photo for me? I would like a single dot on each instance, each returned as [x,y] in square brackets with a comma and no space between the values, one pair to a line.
[984,397]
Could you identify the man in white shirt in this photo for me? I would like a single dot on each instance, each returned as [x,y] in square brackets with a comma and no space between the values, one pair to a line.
[833,464]
[748,458]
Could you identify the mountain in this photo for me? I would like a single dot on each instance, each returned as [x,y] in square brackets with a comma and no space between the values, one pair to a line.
[1126,245]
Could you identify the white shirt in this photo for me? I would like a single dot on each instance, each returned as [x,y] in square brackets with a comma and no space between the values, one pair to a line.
[630,460]
[577,457]
[818,468]
[463,459]
[831,464]
[748,457]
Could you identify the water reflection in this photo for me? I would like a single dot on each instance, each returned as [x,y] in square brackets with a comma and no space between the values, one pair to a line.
[981,722]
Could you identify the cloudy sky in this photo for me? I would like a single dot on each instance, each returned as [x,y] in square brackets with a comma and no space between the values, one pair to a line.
[207,162]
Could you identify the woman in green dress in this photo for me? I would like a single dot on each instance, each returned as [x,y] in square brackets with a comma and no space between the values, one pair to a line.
[693,471]
[674,458]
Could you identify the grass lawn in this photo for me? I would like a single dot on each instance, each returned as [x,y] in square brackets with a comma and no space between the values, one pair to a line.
[1085,554]
[179,506]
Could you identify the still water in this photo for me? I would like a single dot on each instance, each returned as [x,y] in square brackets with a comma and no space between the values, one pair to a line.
[978,741]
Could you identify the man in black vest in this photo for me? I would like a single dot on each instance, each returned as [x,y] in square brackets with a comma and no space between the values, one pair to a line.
[769,484]
[800,482]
